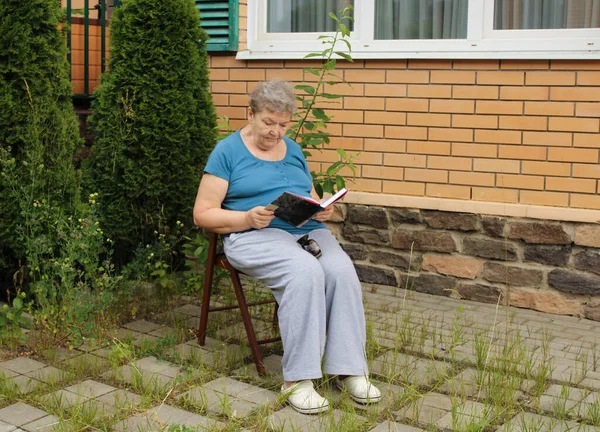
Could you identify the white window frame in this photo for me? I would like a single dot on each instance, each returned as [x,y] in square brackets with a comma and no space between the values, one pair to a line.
[483,42]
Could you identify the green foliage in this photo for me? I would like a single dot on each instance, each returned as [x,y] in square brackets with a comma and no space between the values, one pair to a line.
[11,321]
[154,122]
[310,129]
[38,129]
[55,247]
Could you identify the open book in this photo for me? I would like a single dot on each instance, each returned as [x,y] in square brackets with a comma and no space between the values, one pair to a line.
[297,210]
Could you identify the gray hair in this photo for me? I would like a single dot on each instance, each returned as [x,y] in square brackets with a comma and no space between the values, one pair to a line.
[276,95]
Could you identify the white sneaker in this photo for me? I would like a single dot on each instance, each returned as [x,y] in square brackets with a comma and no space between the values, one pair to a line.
[304,399]
[360,389]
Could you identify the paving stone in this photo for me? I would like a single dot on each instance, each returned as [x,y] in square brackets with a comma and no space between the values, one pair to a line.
[592,383]
[166,414]
[142,326]
[220,404]
[272,365]
[165,332]
[105,353]
[5,427]
[527,422]
[45,424]
[229,397]
[60,354]
[589,407]
[125,335]
[23,384]
[48,375]
[427,409]
[138,423]
[87,363]
[20,414]
[390,426]
[145,341]
[7,373]
[93,409]
[465,384]
[466,415]
[90,389]
[132,376]
[187,352]
[152,364]
[409,369]
[288,420]
[62,399]
[189,309]
[121,398]
[22,365]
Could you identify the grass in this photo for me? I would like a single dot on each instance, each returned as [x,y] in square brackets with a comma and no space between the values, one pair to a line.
[449,368]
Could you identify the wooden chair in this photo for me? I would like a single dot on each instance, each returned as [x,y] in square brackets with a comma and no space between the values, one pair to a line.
[218,259]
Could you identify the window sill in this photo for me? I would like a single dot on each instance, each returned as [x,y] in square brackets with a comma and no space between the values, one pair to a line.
[475,55]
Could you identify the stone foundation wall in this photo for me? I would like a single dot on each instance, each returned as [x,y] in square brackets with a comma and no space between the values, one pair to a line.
[543,265]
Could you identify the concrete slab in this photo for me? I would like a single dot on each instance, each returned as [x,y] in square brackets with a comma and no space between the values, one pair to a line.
[45,424]
[5,427]
[390,426]
[20,414]
[22,365]
[24,384]
[288,420]
[142,326]
[90,389]
[48,375]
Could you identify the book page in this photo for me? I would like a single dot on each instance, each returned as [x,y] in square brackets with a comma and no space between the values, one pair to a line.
[334,198]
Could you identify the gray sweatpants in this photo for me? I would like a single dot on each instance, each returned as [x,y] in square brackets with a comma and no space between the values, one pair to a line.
[321,314]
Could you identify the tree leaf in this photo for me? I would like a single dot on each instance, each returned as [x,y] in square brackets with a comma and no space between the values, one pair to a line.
[334,16]
[320,114]
[342,153]
[306,88]
[318,189]
[17,303]
[340,183]
[345,56]
[347,42]
[311,55]
[330,96]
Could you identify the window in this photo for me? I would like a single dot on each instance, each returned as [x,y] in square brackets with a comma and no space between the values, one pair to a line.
[220,21]
[303,16]
[429,28]
[428,19]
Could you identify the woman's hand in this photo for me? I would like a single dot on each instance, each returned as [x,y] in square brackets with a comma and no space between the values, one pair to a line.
[324,215]
[259,217]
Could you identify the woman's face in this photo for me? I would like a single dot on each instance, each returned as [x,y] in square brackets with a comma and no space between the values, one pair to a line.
[268,127]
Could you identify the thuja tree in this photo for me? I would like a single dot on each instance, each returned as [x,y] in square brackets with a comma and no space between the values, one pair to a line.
[38,128]
[154,121]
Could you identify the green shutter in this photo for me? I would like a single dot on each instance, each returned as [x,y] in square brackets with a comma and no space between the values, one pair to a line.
[220,20]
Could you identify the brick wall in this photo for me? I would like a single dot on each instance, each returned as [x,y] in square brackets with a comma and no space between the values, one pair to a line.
[507,131]
[77,55]
[548,266]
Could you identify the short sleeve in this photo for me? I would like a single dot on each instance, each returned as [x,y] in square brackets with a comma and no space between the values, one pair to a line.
[219,163]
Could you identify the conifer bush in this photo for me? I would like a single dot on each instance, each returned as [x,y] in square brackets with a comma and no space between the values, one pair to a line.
[153,120]
[38,128]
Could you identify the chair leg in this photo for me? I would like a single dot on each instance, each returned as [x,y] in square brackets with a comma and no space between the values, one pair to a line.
[241,298]
[204,309]
[207,289]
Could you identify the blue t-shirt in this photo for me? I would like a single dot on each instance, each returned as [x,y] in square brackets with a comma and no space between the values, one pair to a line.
[256,182]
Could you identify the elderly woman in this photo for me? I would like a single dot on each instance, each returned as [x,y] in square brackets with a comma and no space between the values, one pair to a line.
[321,314]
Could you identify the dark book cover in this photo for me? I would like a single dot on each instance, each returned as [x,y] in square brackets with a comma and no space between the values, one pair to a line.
[297,210]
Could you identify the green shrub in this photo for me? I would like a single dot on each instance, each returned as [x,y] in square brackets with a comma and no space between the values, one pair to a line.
[38,129]
[154,122]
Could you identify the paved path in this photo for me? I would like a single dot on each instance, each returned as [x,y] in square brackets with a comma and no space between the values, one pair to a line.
[443,365]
